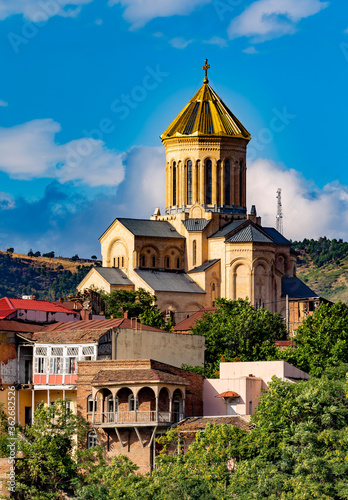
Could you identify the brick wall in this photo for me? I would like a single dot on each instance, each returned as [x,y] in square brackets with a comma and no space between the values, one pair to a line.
[4,470]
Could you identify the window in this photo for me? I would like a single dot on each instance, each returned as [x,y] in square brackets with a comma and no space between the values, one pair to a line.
[167,262]
[178,263]
[189,181]
[143,260]
[91,439]
[56,365]
[71,365]
[133,404]
[153,261]
[118,262]
[90,404]
[241,183]
[227,182]
[87,350]
[194,252]
[114,262]
[174,183]
[122,261]
[57,351]
[40,365]
[250,407]
[208,182]
[72,351]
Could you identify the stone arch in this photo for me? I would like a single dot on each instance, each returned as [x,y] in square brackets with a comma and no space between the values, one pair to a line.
[281,262]
[163,399]
[214,289]
[241,279]
[173,258]
[262,277]
[149,257]
[146,399]
[117,254]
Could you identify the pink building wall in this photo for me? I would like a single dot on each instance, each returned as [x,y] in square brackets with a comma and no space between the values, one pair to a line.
[247,379]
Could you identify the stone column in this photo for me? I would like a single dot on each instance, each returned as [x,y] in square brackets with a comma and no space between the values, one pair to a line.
[171,409]
[156,408]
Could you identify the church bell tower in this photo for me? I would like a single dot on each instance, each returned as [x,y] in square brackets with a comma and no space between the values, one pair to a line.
[206,157]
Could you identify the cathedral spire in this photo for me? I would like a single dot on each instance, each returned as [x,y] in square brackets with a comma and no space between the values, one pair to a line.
[206,67]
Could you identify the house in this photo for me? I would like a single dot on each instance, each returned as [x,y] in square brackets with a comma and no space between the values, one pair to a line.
[35,311]
[238,389]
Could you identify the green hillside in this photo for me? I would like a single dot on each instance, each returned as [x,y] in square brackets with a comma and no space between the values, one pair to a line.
[323,265]
[46,278]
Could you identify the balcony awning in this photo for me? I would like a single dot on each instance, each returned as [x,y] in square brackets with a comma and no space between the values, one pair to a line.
[228,394]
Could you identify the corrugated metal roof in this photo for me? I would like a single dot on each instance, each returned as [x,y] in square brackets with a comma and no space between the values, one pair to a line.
[277,238]
[164,281]
[204,266]
[195,224]
[228,229]
[249,234]
[17,326]
[296,289]
[113,275]
[96,324]
[206,114]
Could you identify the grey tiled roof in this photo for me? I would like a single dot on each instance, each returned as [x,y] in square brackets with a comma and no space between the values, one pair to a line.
[164,281]
[113,275]
[154,228]
[204,266]
[249,234]
[228,229]
[195,224]
[277,238]
[296,289]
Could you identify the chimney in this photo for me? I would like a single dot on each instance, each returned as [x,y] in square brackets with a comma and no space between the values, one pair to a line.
[125,314]
[61,299]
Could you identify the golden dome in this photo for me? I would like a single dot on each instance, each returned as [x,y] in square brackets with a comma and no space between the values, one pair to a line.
[206,115]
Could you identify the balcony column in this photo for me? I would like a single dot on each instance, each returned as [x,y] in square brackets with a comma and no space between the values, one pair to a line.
[94,401]
[156,408]
[32,405]
[183,408]
[114,406]
[171,409]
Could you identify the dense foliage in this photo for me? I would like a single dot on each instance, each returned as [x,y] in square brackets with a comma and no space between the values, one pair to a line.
[296,448]
[323,250]
[30,277]
[139,304]
[237,331]
[321,340]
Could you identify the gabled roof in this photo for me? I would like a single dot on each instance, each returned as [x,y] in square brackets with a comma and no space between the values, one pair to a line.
[188,323]
[207,115]
[164,281]
[145,227]
[249,234]
[204,266]
[195,224]
[232,226]
[296,289]
[12,303]
[113,275]
[66,336]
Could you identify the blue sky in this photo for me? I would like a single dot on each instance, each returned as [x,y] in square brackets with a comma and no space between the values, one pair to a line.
[88,86]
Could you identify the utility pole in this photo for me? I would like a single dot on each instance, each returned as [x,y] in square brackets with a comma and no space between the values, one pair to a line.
[279,217]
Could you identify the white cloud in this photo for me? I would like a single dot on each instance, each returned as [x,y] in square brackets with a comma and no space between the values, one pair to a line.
[179,42]
[3,103]
[309,212]
[41,10]
[217,40]
[6,201]
[251,50]
[267,19]
[98,22]
[140,12]
[30,151]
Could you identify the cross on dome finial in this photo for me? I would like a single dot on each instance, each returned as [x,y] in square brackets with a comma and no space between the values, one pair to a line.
[206,67]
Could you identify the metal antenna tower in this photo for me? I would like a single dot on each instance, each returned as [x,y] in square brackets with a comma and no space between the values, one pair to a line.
[279,218]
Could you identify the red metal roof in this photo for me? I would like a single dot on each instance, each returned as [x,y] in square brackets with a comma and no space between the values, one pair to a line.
[6,312]
[17,326]
[188,323]
[228,394]
[12,303]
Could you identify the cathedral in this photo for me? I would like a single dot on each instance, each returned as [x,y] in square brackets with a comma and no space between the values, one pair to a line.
[206,245]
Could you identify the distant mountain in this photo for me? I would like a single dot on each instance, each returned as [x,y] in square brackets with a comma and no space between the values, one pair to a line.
[323,265]
[44,277]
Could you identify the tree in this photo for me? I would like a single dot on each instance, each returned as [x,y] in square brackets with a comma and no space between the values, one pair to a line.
[299,444]
[321,340]
[139,304]
[48,466]
[75,257]
[94,257]
[10,250]
[30,253]
[37,254]
[50,255]
[237,331]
